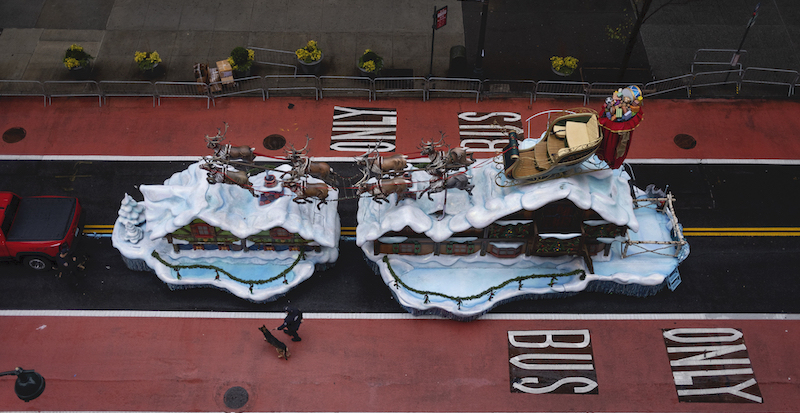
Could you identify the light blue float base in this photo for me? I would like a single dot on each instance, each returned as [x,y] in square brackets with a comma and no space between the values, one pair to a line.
[608,287]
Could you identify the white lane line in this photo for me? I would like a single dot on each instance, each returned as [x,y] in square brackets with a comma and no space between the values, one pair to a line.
[391,316]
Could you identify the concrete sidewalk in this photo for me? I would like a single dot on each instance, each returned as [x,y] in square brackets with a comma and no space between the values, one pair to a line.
[521,35]
[185,32]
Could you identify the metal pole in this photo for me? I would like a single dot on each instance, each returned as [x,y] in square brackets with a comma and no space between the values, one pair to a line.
[433,36]
[750,23]
[481,39]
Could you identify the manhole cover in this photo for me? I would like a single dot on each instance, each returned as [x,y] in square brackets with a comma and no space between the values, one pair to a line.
[274,142]
[14,135]
[685,141]
[235,397]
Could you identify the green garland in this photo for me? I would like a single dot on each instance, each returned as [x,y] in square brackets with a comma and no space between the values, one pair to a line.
[398,282]
[177,269]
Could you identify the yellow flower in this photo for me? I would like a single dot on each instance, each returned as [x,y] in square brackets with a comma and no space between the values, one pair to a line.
[147,60]
[71,62]
[571,62]
[564,64]
[241,59]
[370,61]
[75,57]
[309,53]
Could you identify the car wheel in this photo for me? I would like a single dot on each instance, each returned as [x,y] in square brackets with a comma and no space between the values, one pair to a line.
[37,263]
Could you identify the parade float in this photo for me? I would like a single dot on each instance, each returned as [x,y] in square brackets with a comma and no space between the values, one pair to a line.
[218,224]
[548,217]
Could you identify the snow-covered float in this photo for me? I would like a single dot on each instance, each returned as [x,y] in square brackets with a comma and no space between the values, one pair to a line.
[459,253]
[192,232]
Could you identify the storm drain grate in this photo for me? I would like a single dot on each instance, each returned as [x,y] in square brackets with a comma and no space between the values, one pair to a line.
[14,135]
[274,142]
[235,397]
[685,141]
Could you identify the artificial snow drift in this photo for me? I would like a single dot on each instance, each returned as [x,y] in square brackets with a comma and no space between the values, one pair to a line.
[141,231]
[467,286]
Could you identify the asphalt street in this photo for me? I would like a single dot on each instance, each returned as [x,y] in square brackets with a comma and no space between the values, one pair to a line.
[742,174]
[722,274]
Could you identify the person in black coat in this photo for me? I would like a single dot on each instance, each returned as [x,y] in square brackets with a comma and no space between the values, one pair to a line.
[66,263]
[292,322]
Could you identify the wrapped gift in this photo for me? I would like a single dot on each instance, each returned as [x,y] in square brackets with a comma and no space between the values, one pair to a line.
[213,79]
[225,72]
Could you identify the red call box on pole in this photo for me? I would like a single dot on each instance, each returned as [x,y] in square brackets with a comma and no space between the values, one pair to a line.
[441,17]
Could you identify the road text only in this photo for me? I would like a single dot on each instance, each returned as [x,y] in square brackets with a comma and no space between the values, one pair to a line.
[711,365]
[360,129]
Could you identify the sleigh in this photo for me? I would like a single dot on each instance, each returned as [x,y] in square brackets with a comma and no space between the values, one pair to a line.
[570,139]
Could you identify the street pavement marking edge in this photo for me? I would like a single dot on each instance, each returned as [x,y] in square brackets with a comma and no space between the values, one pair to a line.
[392,316]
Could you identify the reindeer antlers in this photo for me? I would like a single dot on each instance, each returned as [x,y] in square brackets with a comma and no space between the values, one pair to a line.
[220,135]
[294,151]
[308,139]
[440,142]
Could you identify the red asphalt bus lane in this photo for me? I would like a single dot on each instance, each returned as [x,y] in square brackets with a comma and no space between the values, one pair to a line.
[187,364]
[723,129]
[143,363]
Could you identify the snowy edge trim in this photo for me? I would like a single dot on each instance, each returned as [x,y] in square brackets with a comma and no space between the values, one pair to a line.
[391,316]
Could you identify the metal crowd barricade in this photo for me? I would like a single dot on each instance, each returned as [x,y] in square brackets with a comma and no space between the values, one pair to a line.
[669,85]
[451,85]
[288,85]
[401,87]
[508,89]
[252,84]
[764,76]
[562,89]
[719,58]
[23,88]
[121,88]
[345,85]
[717,78]
[72,88]
[603,90]
[280,58]
[183,90]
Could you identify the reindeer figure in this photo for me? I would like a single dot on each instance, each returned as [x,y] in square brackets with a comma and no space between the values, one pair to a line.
[440,161]
[380,165]
[305,190]
[227,152]
[382,188]
[219,175]
[302,165]
[457,181]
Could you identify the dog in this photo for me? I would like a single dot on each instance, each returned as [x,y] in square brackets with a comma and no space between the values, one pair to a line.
[283,352]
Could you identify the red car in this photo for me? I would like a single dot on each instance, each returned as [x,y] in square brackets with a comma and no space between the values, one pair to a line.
[34,229]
